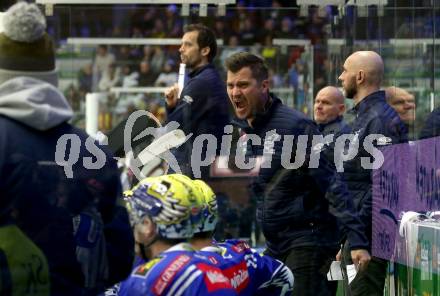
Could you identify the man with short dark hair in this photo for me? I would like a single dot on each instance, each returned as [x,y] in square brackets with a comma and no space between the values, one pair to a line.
[296,206]
[203,104]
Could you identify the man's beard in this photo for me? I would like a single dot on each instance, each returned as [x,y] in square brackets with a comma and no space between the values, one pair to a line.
[192,63]
[350,91]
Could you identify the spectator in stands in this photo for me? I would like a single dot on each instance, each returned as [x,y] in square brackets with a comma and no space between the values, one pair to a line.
[146,76]
[158,30]
[248,34]
[58,202]
[275,79]
[136,32]
[110,78]
[173,23]
[168,77]
[125,56]
[286,31]
[222,29]
[269,52]
[158,59]
[314,28]
[73,96]
[268,29]
[361,79]
[231,48]
[296,79]
[147,53]
[128,77]
[85,79]
[103,59]
[203,106]
[144,19]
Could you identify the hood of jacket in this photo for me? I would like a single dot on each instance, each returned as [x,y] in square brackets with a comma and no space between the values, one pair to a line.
[34,103]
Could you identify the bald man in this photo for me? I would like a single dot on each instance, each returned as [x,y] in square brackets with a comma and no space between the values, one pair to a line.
[361,81]
[403,102]
[405,105]
[328,109]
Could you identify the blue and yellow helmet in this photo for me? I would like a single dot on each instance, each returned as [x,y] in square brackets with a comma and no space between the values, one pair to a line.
[168,202]
[209,207]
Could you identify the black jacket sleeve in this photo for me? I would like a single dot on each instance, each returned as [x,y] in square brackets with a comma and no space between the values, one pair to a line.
[338,197]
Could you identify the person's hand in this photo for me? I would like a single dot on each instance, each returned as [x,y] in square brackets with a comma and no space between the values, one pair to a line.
[339,255]
[171,95]
[360,258]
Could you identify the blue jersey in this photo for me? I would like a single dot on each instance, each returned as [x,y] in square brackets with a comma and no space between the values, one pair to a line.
[249,272]
[176,272]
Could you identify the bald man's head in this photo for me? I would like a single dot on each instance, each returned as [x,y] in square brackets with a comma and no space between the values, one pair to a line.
[329,104]
[403,102]
[361,71]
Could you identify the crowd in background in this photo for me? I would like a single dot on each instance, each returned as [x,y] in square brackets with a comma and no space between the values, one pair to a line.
[247,26]
[240,29]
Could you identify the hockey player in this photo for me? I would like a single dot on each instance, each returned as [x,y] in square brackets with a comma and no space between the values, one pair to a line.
[250,273]
[161,210]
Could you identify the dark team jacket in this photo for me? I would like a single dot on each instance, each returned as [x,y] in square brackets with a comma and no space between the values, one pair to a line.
[431,127]
[203,108]
[297,206]
[371,116]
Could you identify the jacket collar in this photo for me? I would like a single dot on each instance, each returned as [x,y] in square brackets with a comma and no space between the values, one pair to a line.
[369,100]
[262,118]
[198,70]
[322,126]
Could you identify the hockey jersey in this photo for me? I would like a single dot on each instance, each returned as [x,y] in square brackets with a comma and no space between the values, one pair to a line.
[176,272]
[249,272]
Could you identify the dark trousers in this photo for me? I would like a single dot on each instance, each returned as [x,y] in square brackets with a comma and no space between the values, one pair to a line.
[369,282]
[309,266]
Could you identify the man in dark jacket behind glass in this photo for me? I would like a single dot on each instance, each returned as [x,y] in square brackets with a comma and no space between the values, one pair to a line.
[361,80]
[296,204]
[203,104]
[328,110]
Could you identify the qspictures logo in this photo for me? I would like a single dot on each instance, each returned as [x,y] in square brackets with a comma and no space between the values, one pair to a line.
[277,150]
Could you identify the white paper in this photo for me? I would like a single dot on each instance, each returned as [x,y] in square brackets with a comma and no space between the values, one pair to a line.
[351,272]
[92,113]
[181,79]
[335,272]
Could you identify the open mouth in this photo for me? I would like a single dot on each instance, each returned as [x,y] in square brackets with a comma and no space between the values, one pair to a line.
[240,105]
